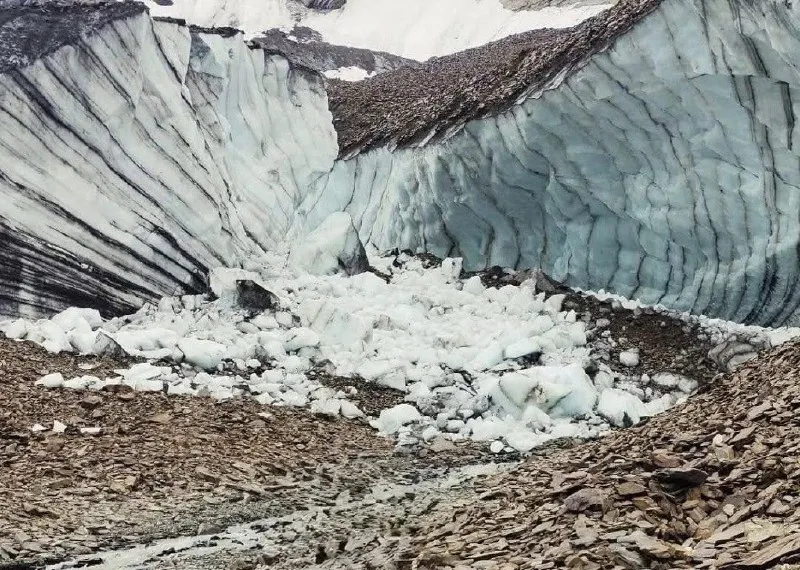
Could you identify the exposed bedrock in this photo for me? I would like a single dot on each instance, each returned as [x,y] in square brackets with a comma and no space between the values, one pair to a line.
[667,168]
[139,155]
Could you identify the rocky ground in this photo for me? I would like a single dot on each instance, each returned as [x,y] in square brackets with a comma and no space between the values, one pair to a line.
[127,466]
[709,484]
[114,479]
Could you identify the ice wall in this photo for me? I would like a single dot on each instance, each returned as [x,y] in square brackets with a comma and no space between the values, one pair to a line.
[667,168]
[136,158]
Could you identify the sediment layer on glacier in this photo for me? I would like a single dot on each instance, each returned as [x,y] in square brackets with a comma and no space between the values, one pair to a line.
[663,167]
[417,105]
[304,47]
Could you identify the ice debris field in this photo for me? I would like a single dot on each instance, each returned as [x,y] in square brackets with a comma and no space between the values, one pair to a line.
[506,366]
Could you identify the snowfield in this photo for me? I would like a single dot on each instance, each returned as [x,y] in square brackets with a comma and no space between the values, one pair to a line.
[506,366]
[416,29]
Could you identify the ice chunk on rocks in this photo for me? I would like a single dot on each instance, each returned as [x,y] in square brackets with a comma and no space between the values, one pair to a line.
[205,354]
[82,382]
[292,398]
[327,407]
[489,357]
[75,318]
[615,404]
[451,267]
[143,376]
[554,302]
[390,421]
[521,348]
[560,390]
[16,329]
[338,327]
[665,380]
[55,380]
[629,358]
[82,342]
[333,247]
[474,286]
[51,336]
[523,440]
[300,338]
[350,410]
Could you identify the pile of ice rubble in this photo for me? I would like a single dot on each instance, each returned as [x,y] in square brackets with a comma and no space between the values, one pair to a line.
[460,352]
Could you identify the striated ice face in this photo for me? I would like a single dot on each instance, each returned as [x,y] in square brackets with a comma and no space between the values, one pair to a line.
[136,159]
[666,169]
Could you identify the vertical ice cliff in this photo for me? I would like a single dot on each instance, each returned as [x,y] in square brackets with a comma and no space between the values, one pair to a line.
[651,151]
[135,154]
[666,168]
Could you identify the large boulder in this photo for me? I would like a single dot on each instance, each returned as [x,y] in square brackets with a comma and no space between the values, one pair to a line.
[334,247]
[253,297]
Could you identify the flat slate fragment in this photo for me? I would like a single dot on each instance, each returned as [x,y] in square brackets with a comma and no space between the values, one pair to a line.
[769,556]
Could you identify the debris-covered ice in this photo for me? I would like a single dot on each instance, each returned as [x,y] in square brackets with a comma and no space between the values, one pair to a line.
[503,365]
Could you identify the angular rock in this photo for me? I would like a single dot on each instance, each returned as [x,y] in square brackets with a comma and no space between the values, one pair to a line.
[585,499]
[630,489]
[681,477]
[255,298]
[323,5]
[769,556]
[104,345]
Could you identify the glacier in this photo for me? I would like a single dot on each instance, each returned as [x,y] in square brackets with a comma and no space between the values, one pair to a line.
[662,166]
[136,158]
[664,169]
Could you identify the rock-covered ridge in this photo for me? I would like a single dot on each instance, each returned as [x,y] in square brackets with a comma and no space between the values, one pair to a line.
[304,47]
[415,29]
[415,105]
